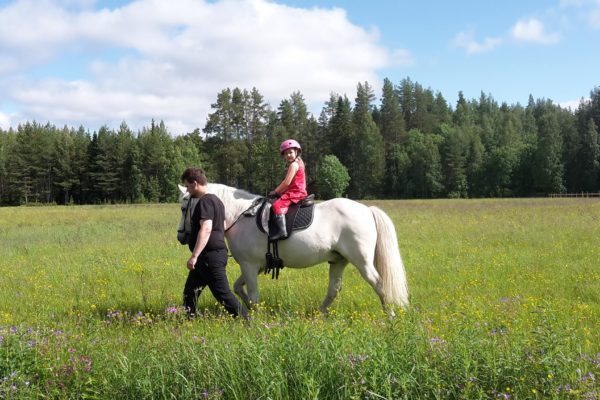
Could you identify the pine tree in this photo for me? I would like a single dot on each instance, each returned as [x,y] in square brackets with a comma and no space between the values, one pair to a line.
[65,177]
[453,150]
[589,158]
[391,122]
[424,172]
[8,193]
[367,149]
[548,170]
[341,132]
[407,103]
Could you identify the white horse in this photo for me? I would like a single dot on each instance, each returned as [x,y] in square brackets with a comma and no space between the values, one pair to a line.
[342,231]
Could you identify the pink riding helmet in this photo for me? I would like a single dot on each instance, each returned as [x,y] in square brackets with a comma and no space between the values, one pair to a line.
[289,144]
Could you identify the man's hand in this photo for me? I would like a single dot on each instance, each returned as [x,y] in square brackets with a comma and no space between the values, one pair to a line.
[192,263]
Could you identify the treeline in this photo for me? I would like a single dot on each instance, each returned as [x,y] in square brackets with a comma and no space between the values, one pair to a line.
[413,144]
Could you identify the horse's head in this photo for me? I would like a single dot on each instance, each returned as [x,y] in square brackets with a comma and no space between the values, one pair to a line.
[235,201]
[188,204]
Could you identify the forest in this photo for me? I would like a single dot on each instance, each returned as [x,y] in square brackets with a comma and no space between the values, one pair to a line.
[412,144]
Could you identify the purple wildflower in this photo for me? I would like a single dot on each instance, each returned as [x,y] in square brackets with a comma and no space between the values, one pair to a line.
[589,377]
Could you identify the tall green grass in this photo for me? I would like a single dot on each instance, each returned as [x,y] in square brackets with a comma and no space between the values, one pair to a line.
[505,303]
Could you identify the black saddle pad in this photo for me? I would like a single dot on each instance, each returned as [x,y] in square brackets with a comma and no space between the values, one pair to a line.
[299,217]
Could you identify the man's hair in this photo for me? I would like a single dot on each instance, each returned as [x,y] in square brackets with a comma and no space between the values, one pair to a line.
[192,174]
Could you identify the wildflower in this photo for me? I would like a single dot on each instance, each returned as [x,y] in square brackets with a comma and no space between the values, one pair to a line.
[357,359]
[86,362]
[436,340]
[498,331]
[589,377]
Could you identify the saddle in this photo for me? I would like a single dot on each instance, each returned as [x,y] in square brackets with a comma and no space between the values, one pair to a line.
[298,217]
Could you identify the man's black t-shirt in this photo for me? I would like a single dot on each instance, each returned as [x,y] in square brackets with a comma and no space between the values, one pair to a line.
[209,207]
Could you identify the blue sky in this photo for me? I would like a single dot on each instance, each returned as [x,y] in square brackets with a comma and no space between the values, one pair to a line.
[94,63]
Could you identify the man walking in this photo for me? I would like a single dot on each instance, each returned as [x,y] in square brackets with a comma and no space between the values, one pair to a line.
[207,244]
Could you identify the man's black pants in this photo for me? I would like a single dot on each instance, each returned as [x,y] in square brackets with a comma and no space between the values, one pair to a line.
[210,271]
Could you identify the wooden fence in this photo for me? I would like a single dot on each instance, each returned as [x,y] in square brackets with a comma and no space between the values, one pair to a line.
[582,194]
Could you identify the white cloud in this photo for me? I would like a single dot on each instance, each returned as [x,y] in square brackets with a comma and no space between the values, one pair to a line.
[573,104]
[585,10]
[4,121]
[594,17]
[401,58]
[533,30]
[466,40]
[172,58]
[572,3]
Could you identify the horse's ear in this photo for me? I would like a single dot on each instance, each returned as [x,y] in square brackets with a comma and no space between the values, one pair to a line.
[182,189]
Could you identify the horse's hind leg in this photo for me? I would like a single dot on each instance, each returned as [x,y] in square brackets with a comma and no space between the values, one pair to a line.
[336,269]
[369,273]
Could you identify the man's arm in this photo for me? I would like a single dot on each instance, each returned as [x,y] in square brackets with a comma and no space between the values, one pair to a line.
[203,235]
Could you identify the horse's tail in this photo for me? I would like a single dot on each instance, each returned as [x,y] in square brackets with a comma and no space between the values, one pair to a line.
[388,261]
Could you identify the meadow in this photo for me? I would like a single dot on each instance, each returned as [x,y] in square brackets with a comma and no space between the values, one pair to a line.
[505,304]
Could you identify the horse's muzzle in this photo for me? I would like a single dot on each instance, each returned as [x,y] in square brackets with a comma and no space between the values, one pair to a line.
[182,236]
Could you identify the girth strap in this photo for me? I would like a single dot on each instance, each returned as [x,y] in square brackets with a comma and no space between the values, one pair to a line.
[274,263]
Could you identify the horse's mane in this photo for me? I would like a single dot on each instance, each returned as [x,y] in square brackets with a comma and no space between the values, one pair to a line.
[223,190]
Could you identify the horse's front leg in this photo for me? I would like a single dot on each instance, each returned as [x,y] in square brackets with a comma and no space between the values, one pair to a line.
[249,278]
[238,288]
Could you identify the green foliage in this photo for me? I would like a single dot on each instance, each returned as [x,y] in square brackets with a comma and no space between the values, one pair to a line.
[365,147]
[479,149]
[423,177]
[333,178]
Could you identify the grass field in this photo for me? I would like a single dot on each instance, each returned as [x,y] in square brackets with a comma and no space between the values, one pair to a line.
[505,303]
